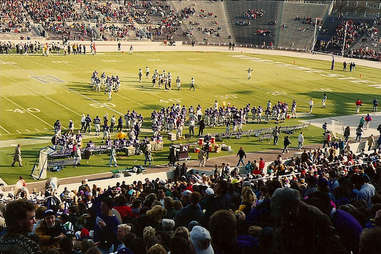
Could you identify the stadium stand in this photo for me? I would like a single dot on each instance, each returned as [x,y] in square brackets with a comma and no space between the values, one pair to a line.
[205,21]
[359,34]
[297,25]
[260,30]
[274,24]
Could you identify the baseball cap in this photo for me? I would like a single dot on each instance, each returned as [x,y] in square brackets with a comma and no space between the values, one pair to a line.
[187,193]
[209,191]
[197,236]
[49,212]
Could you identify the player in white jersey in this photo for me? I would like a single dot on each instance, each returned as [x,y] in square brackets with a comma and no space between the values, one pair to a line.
[178,83]
[311,103]
[192,84]
[147,72]
[249,71]
[97,85]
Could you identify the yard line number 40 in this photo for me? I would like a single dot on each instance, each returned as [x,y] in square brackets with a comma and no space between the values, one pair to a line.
[22,111]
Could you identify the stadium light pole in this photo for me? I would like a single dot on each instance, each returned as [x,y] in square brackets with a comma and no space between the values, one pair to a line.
[314,41]
[345,37]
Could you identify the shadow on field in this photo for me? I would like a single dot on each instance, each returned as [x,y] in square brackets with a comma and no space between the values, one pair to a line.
[151,107]
[29,154]
[79,87]
[244,92]
[344,103]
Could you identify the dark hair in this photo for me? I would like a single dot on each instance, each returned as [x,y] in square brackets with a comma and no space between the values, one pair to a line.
[66,245]
[223,229]
[16,211]
[195,197]
[181,245]
[108,201]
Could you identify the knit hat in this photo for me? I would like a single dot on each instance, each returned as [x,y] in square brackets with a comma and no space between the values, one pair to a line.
[199,237]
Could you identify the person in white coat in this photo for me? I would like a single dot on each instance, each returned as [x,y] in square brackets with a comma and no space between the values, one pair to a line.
[300,140]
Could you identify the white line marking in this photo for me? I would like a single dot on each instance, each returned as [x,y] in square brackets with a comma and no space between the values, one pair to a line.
[124,97]
[4,129]
[27,130]
[18,131]
[61,105]
[14,103]
[87,97]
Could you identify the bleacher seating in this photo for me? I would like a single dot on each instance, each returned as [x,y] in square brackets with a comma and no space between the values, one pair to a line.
[207,24]
[255,32]
[297,24]
[270,24]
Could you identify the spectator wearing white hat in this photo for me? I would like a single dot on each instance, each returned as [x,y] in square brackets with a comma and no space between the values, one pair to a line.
[201,240]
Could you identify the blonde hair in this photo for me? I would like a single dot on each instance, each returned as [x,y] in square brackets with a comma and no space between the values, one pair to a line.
[126,228]
[149,233]
[247,195]
[157,212]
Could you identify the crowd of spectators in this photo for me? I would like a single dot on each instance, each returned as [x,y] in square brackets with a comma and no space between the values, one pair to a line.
[325,198]
[362,32]
[13,17]
[72,19]
[253,13]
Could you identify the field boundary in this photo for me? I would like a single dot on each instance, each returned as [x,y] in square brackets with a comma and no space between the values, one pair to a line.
[140,46]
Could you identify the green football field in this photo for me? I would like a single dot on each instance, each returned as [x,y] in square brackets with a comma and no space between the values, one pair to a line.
[35,91]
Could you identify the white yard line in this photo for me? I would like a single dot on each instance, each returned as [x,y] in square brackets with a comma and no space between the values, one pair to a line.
[55,102]
[126,98]
[60,104]
[91,99]
[14,103]
[1,127]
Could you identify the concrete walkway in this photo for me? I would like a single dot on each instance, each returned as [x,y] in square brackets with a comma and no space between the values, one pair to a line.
[337,124]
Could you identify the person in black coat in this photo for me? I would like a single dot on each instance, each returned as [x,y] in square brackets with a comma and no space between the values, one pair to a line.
[202,127]
[286,143]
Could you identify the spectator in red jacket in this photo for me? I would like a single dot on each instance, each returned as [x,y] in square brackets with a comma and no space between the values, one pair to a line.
[358,105]
[261,164]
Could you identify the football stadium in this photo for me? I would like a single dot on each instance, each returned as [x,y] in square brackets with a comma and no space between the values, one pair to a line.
[234,126]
